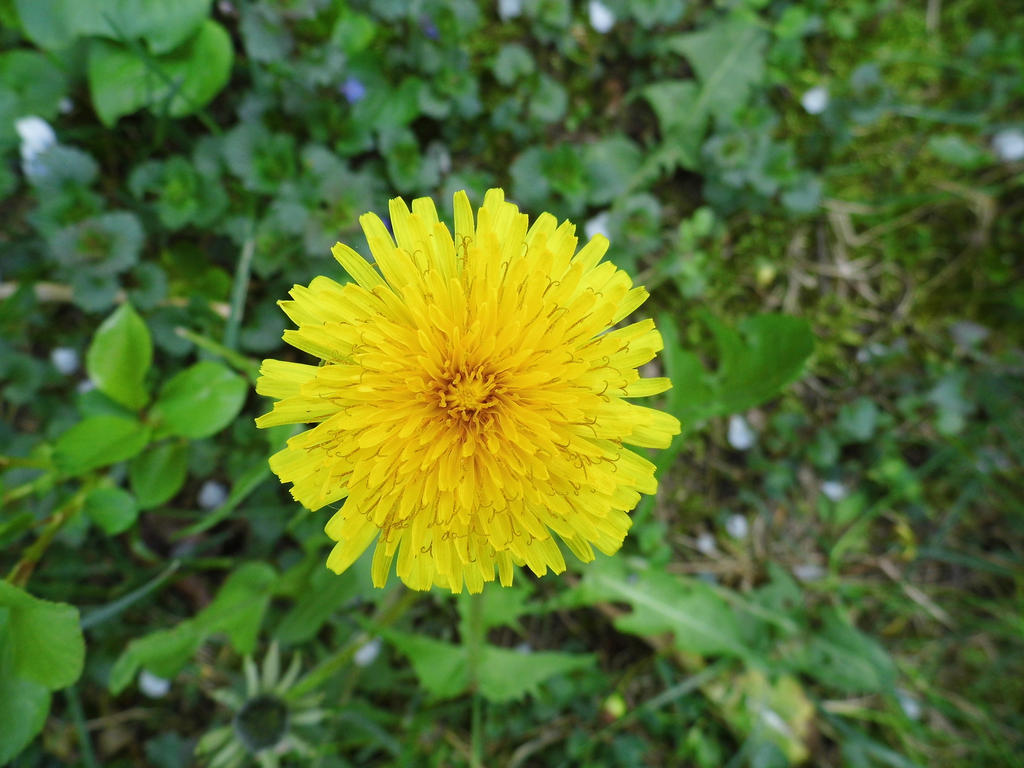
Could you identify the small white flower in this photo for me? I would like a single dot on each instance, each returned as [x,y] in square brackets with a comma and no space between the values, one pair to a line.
[597,226]
[64,359]
[834,490]
[706,544]
[367,653]
[740,435]
[808,572]
[509,9]
[212,494]
[737,527]
[601,17]
[153,686]
[815,100]
[1009,145]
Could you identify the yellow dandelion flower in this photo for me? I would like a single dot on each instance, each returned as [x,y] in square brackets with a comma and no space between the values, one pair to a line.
[472,400]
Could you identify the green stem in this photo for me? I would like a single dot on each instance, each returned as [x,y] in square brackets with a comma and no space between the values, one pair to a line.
[21,572]
[75,709]
[474,642]
[398,603]
[238,292]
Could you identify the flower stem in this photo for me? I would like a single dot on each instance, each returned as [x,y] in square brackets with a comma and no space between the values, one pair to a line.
[474,642]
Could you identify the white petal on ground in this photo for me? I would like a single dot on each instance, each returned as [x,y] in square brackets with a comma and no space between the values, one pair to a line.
[737,527]
[212,494]
[740,435]
[367,653]
[815,100]
[601,17]
[64,359]
[153,686]
[1009,145]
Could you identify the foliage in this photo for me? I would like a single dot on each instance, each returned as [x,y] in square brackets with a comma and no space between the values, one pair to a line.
[822,198]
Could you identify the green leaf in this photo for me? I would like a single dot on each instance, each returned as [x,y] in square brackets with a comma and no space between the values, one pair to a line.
[45,639]
[182,81]
[955,150]
[755,366]
[728,58]
[119,357]
[158,473]
[512,62]
[440,667]
[700,619]
[112,509]
[238,609]
[199,401]
[843,657]
[98,441]
[681,123]
[326,593]
[163,24]
[612,165]
[30,84]
[506,674]
[549,101]
[163,653]
[24,706]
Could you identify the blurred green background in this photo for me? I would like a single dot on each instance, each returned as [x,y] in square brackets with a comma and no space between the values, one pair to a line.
[826,201]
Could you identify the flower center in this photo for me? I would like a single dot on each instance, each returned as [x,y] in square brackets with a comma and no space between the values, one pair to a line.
[467,393]
[262,722]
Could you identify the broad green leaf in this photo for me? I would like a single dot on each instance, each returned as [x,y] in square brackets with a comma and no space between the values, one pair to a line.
[163,653]
[30,84]
[754,365]
[163,24]
[728,58]
[506,674]
[112,509]
[199,401]
[843,657]
[158,473]
[238,609]
[701,620]
[98,441]
[45,639]
[24,705]
[181,81]
[119,357]
[512,62]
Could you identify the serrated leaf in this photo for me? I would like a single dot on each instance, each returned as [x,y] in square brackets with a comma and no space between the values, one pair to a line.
[98,441]
[158,473]
[842,656]
[701,621]
[119,357]
[45,638]
[754,365]
[728,58]
[181,81]
[199,401]
[504,674]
